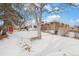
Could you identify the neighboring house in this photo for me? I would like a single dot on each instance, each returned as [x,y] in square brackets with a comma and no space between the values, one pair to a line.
[55,26]
[62,28]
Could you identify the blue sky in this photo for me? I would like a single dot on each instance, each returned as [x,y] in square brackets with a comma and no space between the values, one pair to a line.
[69,15]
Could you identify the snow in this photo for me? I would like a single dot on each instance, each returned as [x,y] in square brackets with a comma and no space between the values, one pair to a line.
[49,45]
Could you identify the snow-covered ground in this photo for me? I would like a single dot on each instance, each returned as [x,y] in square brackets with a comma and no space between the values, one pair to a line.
[49,45]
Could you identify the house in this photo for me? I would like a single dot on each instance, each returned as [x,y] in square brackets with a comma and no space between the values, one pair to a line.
[60,27]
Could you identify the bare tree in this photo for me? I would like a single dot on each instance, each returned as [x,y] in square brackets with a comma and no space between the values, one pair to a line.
[38,11]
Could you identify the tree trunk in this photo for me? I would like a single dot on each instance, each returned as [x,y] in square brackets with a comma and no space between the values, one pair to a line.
[39,21]
[37,18]
[38,27]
